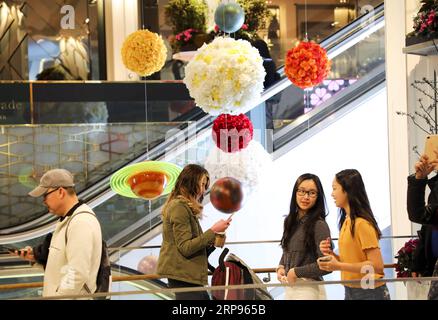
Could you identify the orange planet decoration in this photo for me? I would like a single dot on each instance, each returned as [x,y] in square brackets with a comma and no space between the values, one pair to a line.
[148,185]
[147,180]
[226,195]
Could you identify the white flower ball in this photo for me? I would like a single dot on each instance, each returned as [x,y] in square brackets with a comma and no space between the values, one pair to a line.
[225,76]
[250,166]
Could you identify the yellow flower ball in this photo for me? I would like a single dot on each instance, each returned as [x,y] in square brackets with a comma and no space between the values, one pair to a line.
[144,52]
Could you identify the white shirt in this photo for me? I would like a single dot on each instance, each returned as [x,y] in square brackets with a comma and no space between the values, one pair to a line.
[73,264]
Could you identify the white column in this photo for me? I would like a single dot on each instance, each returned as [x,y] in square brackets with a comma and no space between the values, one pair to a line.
[395,17]
[121,19]
[418,67]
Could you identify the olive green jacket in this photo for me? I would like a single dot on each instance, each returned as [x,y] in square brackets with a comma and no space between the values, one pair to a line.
[183,254]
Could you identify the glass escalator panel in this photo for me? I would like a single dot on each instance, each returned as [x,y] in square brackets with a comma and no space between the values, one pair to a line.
[91,130]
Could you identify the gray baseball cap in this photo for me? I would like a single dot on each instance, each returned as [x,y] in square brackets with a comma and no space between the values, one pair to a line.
[55,178]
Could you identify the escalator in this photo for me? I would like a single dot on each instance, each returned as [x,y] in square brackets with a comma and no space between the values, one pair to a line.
[16,274]
[158,121]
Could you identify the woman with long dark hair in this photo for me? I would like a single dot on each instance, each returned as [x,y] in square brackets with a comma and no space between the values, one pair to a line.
[304,229]
[359,257]
[183,254]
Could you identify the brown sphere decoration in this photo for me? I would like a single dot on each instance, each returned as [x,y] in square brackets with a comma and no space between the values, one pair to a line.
[226,195]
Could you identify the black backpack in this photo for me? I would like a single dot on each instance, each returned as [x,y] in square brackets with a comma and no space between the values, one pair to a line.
[103,280]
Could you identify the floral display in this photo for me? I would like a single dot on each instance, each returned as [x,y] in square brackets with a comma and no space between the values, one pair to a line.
[186,14]
[250,166]
[405,261]
[190,39]
[186,35]
[225,76]
[144,52]
[256,14]
[307,64]
[426,20]
[232,133]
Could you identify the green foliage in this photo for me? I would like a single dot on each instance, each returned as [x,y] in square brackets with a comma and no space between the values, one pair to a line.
[186,14]
[256,13]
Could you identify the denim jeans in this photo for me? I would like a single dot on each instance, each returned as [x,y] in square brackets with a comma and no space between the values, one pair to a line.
[433,292]
[380,293]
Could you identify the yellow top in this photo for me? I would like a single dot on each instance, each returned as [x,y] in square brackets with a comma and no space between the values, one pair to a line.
[352,249]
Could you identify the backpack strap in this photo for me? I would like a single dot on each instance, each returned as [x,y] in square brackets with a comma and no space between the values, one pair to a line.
[221,259]
[71,218]
[66,229]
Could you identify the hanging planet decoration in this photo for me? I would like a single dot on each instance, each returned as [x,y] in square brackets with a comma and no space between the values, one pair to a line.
[229,17]
[148,185]
[147,180]
[226,195]
[148,265]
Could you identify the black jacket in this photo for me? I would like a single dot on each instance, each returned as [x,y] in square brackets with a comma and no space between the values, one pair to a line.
[427,216]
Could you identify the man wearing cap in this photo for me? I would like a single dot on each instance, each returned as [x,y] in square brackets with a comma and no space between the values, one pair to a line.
[75,247]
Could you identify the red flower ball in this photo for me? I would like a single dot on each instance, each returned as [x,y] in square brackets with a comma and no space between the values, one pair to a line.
[232,133]
[307,65]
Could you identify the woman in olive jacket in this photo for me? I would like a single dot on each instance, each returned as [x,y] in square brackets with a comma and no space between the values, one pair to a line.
[183,254]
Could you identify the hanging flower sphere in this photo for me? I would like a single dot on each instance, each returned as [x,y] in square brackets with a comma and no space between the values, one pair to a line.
[251,166]
[232,133]
[144,52]
[307,64]
[225,76]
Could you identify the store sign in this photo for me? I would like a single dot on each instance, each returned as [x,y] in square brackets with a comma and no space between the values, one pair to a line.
[12,112]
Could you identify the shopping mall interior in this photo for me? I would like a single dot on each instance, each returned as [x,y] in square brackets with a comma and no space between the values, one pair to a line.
[372,112]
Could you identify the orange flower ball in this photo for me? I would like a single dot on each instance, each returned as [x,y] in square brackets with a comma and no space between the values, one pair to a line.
[307,64]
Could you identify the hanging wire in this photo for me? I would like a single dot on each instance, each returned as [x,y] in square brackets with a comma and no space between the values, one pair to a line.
[306,37]
[226,120]
[147,146]
[223,18]
[146,118]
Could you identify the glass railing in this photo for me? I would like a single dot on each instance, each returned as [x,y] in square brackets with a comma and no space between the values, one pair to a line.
[27,282]
[398,289]
[90,129]
[139,280]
